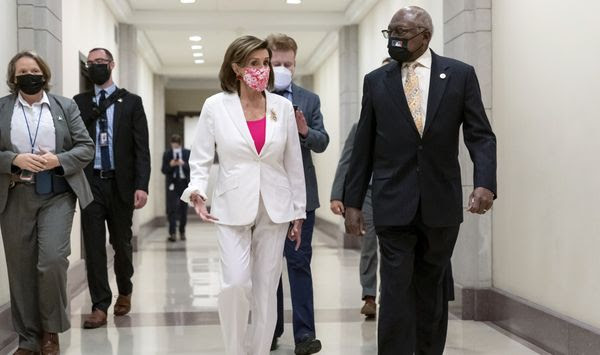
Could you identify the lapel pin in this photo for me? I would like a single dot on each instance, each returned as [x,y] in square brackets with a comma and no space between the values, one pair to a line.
[120,100]
[273,115]
[59,118]
[443,76]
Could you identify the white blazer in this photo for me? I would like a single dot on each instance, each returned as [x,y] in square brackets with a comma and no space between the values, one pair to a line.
[244,176]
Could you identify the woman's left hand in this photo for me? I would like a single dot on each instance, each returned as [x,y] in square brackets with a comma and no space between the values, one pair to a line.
[295,232]
[51,159]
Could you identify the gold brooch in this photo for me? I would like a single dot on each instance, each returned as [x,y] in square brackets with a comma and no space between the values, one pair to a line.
[273,115]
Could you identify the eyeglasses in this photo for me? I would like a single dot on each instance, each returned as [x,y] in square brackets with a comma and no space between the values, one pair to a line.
[398,32]
[97,61]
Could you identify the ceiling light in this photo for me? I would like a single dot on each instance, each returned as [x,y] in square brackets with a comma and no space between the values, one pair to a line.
[294,2]
[196,47]
[198,54]
[187,1]
[199,61]
[195,38]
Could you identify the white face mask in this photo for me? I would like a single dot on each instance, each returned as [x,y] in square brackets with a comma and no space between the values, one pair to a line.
[283,78]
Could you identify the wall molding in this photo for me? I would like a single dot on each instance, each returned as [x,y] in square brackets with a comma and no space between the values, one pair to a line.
[538,325]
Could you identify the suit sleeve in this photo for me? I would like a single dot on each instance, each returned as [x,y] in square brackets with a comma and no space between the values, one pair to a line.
[166,168]
[292,162]
[337,190]
[478,136]
[202,154]
[317,138]
[82,151]
[141,148]
[361,162]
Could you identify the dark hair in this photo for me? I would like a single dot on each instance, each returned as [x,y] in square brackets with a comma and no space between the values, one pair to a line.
[12,70]
[176,138]
[282,42]
[238,52]
[108,53]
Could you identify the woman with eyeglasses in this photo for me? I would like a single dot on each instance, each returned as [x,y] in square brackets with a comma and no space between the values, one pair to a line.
[43,149]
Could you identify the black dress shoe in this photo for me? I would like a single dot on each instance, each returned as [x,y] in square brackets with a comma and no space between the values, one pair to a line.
[172,238]
[274,344]
[308,346]
[182,236]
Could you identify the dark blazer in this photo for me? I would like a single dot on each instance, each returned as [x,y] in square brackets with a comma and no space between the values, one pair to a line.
[316,140]
[168,170]
[337,189]
[408,170]
[74,147]
[130,142]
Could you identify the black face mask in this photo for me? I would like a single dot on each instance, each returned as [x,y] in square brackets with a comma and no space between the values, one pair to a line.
[398,48]
[99,73]
[30,84]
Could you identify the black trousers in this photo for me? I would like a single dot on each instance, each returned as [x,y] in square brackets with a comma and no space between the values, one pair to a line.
[107,209]
[413,315]
[176,209]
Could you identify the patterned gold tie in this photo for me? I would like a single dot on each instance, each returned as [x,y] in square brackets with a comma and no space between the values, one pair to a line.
[413,96]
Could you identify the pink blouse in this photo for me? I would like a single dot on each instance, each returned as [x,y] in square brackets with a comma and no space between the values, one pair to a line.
[258,131]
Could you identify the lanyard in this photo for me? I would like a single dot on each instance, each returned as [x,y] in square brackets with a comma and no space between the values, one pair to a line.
[34,139]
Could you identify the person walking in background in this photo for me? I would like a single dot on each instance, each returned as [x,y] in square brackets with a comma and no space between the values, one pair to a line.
[118,176]
[408,134]
[313,138]
[260,192]
[44,147]
[175,166]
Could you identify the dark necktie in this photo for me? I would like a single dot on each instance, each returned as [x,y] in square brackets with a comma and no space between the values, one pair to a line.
[104,151]
[177,174]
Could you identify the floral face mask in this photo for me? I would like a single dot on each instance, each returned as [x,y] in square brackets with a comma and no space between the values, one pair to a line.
[256,78]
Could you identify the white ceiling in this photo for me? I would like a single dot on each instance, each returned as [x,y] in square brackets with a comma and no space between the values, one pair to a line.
[166,25]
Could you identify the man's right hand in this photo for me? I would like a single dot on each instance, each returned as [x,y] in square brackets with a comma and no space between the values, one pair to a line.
[173,163]
[31,162]
[355,224]
[337,207]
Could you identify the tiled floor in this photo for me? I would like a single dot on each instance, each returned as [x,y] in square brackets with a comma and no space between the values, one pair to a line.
[175,297]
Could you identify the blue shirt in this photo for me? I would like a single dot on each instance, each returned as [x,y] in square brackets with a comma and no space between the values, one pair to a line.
[287,93]
[110,113]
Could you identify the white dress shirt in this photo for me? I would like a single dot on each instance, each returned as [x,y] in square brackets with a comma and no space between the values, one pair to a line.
[423,71]
[21,136]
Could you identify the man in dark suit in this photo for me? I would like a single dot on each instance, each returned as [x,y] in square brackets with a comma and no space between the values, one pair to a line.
[408,135]
[118,176]
[313,138]
[175,166]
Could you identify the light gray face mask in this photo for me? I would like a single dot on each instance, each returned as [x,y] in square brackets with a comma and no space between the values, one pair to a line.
[283,77]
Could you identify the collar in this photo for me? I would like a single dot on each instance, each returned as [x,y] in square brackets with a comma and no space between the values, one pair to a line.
[424,60]
[44,100]
[109,90]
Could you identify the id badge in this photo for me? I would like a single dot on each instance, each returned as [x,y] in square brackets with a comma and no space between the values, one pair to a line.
[103,139]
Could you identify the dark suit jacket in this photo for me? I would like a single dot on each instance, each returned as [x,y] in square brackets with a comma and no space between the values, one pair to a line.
[168,170]
[74,147]
[410,171]
[337,189]
[316,140]
[130,142]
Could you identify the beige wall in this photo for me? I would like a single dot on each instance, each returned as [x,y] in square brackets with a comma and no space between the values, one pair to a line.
[546,86]
[8,48]
[372,45]
[187,99]
[326,85]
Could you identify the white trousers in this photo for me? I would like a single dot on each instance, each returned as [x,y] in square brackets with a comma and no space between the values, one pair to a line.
[251,262]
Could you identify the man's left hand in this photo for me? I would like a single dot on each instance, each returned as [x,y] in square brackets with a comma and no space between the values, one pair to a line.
[480,201]
[140,198]
[301,122]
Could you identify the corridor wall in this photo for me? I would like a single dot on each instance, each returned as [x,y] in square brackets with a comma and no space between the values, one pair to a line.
[545,90]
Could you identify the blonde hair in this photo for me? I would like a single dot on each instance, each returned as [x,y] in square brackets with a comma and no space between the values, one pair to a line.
[12,70]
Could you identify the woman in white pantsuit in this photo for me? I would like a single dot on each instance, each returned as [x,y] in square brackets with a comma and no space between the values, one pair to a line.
[259,194]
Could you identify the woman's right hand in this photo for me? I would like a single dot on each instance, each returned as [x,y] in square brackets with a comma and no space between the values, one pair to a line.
[200,208]
[31,162]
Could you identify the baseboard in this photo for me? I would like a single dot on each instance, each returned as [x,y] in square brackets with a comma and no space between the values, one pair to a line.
[333,230]
[76,283]
[550,331]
